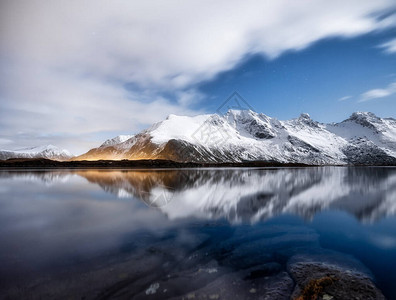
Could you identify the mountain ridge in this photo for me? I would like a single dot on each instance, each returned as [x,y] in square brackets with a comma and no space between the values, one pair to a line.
[47,151]
[244,135]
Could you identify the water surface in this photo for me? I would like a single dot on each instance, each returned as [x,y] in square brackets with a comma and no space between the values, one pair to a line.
[99,234]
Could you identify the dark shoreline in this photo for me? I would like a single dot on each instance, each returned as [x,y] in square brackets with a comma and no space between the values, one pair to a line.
[146,164]
[133,164]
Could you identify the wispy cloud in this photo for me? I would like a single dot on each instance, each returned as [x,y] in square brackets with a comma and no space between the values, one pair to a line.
[345,98]
[378,93]
[390,46]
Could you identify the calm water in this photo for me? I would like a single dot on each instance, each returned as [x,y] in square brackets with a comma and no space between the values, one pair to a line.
[99,234]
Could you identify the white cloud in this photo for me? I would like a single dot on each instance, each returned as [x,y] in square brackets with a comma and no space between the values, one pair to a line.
[64,64]
[378,93]
[61,107]
[345,98]
[390,46]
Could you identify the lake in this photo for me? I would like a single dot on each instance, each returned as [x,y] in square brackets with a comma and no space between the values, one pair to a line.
[198,233]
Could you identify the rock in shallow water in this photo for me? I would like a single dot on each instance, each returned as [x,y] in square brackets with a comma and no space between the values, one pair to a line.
[331,276]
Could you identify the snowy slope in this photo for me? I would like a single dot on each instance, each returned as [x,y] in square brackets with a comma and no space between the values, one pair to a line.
[244,135]
[49,151]
[367,130]
[116,140]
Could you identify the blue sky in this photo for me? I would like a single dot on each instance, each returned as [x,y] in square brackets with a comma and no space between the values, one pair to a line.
[325,80]
[75,73]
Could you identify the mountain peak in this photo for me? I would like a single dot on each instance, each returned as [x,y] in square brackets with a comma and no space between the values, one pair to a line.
[46,151]
[116,140]
[365,119]
[305,116]
[363,114]
[245,114]
[305,119]
[240,112]
[171,116]
[42,148]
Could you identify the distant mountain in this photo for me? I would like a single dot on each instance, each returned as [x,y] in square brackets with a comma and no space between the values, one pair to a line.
[117,140]
[49,151]
[244,135]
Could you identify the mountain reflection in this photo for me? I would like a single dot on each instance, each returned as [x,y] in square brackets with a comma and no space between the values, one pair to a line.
[247,195]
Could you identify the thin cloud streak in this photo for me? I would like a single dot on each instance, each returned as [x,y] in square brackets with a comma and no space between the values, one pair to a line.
[378,93]
[389,47]
[345,98]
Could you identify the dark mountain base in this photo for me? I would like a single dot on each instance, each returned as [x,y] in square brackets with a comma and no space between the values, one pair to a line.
[152,163]
[135,164]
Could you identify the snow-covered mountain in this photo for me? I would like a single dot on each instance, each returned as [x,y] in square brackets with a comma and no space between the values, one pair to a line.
[116,140]
[49,151]
[244,135]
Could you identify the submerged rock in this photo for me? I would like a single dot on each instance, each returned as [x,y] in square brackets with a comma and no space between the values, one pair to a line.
[331,276]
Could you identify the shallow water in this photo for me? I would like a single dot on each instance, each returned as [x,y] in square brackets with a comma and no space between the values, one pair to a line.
[99,234]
